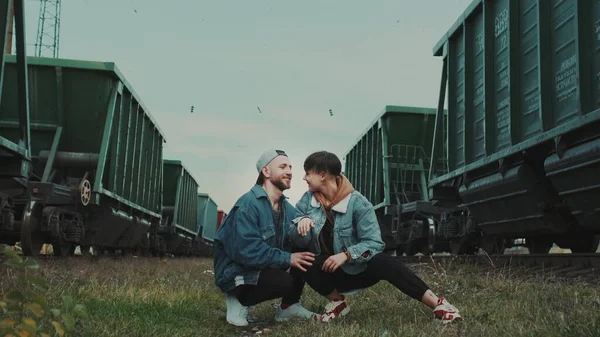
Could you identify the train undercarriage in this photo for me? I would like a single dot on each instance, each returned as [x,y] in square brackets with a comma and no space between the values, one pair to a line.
[429,231]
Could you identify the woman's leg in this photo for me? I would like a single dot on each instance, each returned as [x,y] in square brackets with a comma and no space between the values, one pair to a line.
[386,267]
[331,284]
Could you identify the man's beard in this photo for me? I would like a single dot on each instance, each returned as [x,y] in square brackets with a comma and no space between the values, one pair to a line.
[280,184]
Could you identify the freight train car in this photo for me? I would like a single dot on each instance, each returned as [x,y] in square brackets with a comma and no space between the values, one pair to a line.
[80,155]
[221,215]
[523,122]
[96,158]
[389,165]
[207,217]
[178,233]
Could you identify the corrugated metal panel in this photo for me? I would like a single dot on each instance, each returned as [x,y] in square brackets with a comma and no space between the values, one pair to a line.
[530,124]
[501,77]
[594,62]
[101,116]
[456,98]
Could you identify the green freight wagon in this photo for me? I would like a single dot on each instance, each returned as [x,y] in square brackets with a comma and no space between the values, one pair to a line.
[177,233]
[389,165]
[524,121]
[207,217]
[96,155]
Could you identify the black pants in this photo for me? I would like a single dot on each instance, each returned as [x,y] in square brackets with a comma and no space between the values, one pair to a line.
[272,283]
[381,267]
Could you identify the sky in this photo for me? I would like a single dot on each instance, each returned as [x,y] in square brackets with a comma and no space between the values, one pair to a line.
[294,60]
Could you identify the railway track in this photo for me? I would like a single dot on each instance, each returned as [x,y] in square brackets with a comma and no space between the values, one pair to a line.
[574,266]
[583,267]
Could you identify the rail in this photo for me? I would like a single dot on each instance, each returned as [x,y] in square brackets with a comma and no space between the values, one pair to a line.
[581,266]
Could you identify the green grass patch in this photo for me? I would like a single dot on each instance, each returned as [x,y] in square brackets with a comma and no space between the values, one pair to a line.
[177,297]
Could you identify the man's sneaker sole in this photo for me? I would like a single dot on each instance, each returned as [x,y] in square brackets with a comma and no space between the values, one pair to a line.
[237,324]
[306,315]
[242,323]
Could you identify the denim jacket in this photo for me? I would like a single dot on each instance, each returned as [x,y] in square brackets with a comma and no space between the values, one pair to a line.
[356,229]
[245,242]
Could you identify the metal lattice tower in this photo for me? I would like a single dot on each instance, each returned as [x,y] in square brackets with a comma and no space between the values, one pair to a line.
[48,34]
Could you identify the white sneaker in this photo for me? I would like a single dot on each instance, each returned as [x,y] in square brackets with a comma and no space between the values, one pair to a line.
[237,314]
[294,311]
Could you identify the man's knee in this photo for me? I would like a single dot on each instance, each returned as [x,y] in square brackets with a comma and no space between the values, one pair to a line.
[280,280]
[286,284]
[297,274]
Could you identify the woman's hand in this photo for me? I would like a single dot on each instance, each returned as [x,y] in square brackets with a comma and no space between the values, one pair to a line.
[304,226]
[334,262]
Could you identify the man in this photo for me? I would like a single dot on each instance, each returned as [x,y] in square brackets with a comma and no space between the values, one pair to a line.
[339,225]
[252,251]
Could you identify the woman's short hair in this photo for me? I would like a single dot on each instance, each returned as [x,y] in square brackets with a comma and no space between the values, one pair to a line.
[323,161]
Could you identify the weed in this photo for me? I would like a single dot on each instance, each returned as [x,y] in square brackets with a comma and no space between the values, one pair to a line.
[25,308]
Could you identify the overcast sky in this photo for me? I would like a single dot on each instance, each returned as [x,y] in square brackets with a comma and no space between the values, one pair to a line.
[293,59]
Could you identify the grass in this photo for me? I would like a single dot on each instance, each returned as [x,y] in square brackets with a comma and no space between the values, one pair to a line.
[177,297]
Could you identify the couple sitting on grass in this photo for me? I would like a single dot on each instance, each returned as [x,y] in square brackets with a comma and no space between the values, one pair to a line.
[267,249]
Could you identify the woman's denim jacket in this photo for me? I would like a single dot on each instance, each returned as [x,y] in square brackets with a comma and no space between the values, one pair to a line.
[356,229]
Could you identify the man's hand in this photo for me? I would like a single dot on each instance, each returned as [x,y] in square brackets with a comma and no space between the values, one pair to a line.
[304,226]
[334,262]
[303,258]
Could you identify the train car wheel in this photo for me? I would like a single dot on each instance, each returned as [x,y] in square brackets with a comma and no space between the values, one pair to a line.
[63,250]
[578,243]
[32,239]
[416,246]
[85,250]
[127,252]
[468,244]
[538,245]
[492,245]
[85,191]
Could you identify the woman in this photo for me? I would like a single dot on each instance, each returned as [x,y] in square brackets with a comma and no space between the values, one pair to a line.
[339,225]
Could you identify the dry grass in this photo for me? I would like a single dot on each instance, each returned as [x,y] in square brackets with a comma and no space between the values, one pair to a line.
[177,297]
